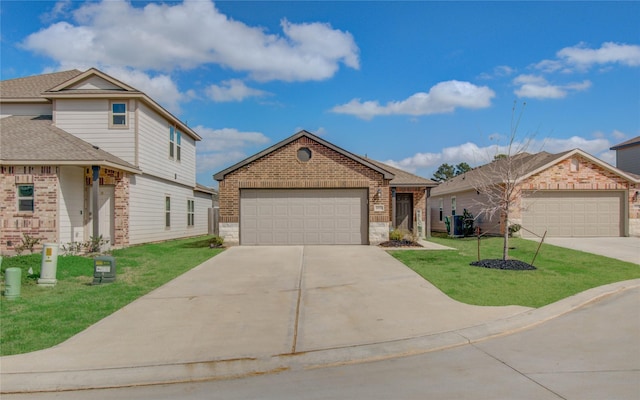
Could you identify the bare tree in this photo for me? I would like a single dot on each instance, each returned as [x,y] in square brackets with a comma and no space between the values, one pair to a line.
[498,182]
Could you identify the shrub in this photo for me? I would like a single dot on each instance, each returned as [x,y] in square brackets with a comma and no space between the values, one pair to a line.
[396,235]
[28,243]
[216,241]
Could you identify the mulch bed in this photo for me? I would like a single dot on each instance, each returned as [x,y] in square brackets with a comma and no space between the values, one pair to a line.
[400,243]
[504,264]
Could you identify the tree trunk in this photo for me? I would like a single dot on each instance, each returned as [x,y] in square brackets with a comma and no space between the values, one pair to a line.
[505,248]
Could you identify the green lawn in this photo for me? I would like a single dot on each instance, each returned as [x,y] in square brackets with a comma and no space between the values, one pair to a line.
[43,317]
[560,272]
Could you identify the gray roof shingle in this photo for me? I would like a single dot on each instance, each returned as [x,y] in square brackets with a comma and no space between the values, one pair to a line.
[404,178]
[34,139]
[33,86]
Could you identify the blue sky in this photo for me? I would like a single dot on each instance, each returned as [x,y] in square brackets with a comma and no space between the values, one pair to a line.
[414,84]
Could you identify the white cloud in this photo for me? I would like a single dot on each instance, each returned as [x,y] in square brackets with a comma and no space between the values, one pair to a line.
[537,87]
[227,138]
[164,37]
[444,97]
[608,53]
[427,163]
[232,90]
[582,58]
[223,147]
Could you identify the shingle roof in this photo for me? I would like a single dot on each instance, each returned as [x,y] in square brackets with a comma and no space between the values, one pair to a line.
[630,142]
[404,178]
[524,165]
[35,140]
[33,86]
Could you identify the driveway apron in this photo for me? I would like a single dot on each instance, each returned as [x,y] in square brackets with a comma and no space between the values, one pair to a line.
[252,302]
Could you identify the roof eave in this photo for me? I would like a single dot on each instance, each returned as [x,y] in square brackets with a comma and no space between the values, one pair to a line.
[76,163]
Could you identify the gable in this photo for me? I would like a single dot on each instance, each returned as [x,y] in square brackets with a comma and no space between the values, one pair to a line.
[348,157]
[95,83]
[575,173]
[282,165]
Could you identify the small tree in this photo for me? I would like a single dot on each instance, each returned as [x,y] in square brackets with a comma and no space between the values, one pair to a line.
[499,181]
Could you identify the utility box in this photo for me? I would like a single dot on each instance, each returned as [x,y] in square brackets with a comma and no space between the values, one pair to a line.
[49,265]
[104,270]
[457,230]
[12,281]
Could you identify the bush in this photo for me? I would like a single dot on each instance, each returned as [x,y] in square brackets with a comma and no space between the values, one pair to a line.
[396,235]
[216,241]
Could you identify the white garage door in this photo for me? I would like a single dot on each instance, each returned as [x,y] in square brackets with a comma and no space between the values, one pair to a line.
[573,214]
[303,216]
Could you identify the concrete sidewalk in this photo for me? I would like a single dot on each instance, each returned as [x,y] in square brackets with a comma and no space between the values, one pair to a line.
[253,310]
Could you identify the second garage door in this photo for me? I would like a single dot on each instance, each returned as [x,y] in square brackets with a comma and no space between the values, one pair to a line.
[303,216]
[573,214]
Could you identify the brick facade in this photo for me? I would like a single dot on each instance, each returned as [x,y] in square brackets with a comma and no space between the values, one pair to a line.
[281,169]
[43,222]
[326,169]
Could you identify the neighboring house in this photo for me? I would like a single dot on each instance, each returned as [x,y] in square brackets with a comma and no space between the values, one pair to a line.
[83,154]
[571,194]
[628,155]
[305,190]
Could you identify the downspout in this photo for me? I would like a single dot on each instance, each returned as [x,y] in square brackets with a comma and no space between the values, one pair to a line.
[393,208]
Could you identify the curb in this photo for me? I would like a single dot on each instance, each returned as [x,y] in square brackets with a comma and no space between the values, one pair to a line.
[69,380]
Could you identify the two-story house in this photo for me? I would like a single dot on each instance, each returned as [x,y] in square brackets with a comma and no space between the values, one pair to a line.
[84,155]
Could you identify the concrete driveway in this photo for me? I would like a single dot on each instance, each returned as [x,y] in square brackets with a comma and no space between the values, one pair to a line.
[621,248]
[250,310]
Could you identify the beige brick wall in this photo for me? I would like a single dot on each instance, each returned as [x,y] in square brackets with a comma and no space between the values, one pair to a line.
[282,169]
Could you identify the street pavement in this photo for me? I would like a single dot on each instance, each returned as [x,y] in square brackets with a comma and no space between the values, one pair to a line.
[256,310]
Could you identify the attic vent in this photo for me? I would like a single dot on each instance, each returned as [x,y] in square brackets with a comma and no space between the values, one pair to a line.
[304,154]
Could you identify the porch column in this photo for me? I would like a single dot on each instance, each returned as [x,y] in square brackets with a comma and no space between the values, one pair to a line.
[393,208]
[427,213]
[95,192]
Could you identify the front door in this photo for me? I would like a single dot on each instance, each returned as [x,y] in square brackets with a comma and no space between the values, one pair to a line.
[105,214]
[404,211]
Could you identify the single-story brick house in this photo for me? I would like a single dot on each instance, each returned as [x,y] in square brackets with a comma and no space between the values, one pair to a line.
[570,194]
[305,190]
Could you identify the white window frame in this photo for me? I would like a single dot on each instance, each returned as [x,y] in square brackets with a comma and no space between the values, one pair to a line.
[175,143]
[167,212]
[191,208]
[21,198]
[113,115]
[441,208]
[453,205]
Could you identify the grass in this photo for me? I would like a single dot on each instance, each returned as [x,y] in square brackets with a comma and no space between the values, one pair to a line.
[560,272]
[43,317]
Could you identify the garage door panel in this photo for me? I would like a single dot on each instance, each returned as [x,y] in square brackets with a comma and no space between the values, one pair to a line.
[573,214]
[303,216]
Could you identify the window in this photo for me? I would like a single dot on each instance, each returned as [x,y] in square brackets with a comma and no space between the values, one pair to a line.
[453,205]
[118,115]
[175,143]
[441,207]
[190,212]
[25,198]
[167,212]
[304,154]
[575,165]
